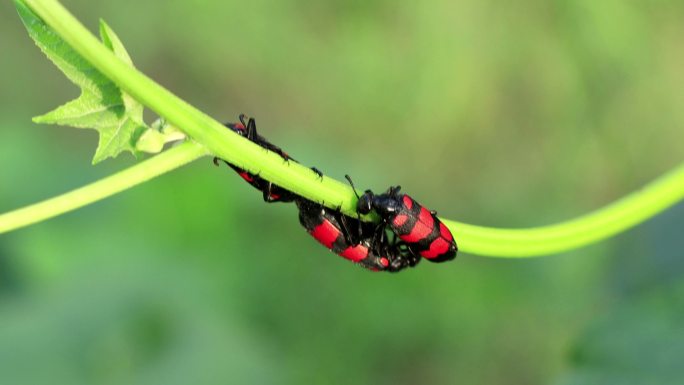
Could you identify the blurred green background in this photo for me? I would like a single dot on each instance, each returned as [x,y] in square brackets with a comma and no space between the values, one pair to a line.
[508,114]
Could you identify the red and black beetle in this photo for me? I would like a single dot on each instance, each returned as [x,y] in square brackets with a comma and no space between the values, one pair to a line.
[424,234]
[359,242]
[271,192]
[415,232]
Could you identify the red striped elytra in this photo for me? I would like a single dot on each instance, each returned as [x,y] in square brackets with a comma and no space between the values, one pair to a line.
[419,228]
[357,241]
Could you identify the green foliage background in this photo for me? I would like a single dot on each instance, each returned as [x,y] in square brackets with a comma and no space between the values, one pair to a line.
[492,113]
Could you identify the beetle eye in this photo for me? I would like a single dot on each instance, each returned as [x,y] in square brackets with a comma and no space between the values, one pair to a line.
[364,204]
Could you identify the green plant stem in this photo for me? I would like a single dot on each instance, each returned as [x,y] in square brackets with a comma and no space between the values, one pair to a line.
[103,188]
[601,224]
[612,219]
[199,126]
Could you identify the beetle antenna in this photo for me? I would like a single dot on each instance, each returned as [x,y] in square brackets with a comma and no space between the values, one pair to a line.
[352,186]
[358,215]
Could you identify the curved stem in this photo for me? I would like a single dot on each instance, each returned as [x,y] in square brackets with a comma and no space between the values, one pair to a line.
[103,188]
[197,125]
[614,218]
[601,224]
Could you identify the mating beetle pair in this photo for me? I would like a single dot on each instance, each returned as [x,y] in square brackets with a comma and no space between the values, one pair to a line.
[415,232]
[344,235]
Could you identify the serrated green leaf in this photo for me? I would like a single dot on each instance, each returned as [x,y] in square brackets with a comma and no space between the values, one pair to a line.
[112,41]
[102,105]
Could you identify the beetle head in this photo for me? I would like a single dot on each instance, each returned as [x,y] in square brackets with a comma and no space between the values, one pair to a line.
[365,202]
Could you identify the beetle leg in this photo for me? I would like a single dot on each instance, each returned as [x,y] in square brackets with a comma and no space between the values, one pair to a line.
[347,233]
[317,172]
[250,128]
